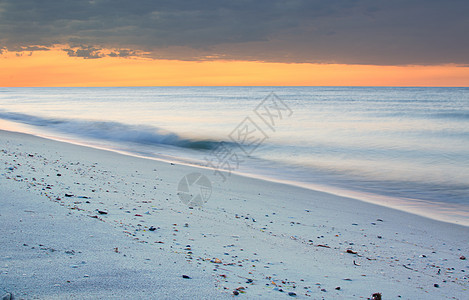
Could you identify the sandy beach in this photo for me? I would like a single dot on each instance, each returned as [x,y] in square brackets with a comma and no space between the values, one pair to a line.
[84,223]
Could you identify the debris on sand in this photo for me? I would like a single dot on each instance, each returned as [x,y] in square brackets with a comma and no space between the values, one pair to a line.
[376,296]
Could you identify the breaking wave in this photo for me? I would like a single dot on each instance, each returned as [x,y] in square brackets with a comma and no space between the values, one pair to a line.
[111,131]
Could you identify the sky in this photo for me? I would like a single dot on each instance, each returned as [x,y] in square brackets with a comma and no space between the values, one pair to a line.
[234,42]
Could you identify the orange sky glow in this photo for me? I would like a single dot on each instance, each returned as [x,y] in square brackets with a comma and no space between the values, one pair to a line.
[55,68]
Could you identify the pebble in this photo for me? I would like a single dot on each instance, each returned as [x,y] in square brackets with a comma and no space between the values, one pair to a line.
[186,277]
[292,294]
[376,296]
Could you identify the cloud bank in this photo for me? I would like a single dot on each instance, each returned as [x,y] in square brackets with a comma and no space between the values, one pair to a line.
[377,32]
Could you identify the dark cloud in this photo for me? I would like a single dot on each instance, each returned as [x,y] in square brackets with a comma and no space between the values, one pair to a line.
[341,31]
[18,48]
[34,48]
[123,53]
[86,52]
[89,52]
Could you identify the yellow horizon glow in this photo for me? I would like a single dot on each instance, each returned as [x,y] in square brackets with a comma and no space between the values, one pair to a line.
[55,68]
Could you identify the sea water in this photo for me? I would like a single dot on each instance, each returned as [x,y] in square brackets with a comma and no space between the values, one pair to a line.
[406,148]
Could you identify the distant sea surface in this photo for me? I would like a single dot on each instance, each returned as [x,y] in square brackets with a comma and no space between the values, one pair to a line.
[406,148]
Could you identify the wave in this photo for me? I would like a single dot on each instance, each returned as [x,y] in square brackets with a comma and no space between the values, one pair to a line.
[112,131]
[461,115]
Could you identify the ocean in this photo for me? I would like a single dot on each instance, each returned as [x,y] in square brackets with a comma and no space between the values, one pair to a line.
[406,148]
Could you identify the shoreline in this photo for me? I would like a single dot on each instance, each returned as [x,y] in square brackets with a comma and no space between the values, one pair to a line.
[269,238]
[418,207]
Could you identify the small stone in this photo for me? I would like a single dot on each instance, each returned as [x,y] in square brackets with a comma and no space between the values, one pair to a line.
[376,296]
[292,294]
[186,277]
[235,292]
[338,288]
[152,228]
[462,257]
[436,285]
[216,261]
[102,212]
